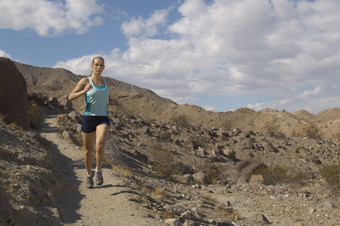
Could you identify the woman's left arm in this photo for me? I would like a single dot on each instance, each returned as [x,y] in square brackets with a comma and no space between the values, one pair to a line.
[111,101]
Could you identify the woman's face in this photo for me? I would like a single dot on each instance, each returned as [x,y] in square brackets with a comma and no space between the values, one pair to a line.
[97,66]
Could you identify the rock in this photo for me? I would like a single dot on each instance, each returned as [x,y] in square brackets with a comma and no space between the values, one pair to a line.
[177,141]
[248,167]
[201,152]
[173,222]
[268,146]
[147,131]
[67,135]
[53,103]
[256,179]
[186,178]
[324,206]
[75,116]
[229,153]
[262,219]
[6,212]
[13,94]
[38,98]
[65,103]
[200,177]
[242,180]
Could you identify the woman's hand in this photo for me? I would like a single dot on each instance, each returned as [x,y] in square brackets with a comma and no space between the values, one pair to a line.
[82,87]
[88,87]
[112,102]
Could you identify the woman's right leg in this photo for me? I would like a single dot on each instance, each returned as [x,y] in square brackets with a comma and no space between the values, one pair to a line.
[88,142]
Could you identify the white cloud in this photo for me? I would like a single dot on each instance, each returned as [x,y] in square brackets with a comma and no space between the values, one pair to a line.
[235,47]
[145,27]
[50,17]
[4,54]
[314,92]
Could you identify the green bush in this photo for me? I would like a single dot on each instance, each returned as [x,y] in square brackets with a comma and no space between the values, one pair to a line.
[36,115]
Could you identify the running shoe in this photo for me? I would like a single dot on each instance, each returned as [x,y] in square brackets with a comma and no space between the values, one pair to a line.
[89,180]
[99,178]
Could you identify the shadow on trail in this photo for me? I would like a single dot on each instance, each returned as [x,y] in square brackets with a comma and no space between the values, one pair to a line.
[103,186]
[69,196]
[129,192]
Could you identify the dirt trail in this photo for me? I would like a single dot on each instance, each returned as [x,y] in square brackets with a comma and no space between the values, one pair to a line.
[103,205]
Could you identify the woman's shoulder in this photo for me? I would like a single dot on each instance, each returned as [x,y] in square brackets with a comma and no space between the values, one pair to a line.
[107,80]
[84,80]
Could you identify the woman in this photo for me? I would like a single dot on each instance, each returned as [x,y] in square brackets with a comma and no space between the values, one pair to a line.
[96,123]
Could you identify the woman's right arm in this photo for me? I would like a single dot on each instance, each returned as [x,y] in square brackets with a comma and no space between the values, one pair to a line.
[82,87]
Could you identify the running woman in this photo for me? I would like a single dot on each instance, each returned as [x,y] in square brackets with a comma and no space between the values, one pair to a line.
[96,123]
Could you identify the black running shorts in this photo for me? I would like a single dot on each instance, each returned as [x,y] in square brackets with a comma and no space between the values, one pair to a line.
[90,123]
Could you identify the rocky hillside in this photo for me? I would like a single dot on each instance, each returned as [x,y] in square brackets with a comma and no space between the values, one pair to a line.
[148,105]
[188,165]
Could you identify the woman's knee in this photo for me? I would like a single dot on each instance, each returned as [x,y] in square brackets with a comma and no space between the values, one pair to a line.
[100,145]
[88,151]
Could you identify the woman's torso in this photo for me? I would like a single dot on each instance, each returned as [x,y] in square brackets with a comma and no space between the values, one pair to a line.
[96,100]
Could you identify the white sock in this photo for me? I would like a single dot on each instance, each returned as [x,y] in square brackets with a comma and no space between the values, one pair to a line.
[97,170]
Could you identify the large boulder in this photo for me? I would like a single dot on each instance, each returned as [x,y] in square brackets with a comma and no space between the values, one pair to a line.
[13,94]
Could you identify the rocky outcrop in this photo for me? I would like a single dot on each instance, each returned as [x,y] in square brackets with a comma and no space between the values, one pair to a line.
[13,94]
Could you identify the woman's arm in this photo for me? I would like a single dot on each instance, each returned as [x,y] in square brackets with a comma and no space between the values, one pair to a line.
[82,87]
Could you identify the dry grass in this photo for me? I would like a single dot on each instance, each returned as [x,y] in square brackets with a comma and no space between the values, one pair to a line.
[221,210]
[158,193]
[279,175]
[331,174]
[124,171]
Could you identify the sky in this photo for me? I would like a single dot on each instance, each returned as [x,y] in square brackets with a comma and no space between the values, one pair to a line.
[220,55]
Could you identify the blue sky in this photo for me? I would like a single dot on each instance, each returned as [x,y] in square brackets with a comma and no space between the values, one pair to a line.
[217,54]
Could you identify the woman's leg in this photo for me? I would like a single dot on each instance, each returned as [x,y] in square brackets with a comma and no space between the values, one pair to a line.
[88,141]
[102,133]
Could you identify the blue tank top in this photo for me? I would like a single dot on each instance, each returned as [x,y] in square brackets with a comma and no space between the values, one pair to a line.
[96,100]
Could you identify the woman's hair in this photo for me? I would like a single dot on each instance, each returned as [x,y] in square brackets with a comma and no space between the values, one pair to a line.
[98,57]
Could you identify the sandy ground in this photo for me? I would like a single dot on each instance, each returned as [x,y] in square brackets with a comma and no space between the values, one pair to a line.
[103,205]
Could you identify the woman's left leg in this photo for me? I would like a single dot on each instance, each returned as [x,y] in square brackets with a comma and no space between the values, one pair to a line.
[102,133]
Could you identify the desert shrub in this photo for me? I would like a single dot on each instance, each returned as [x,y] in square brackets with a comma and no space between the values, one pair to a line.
[271,129]
[163,161]
[181,120]
[158,193]
[202,141]
[36,115]
[113,153]
[313,132]
[211,171]
[167,214]
[331,174]
[273,175]
[229,213]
